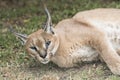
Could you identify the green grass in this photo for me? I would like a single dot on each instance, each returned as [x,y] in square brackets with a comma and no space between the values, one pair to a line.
[29,19]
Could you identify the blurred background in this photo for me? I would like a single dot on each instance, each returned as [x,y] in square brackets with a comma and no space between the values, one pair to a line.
[27,16]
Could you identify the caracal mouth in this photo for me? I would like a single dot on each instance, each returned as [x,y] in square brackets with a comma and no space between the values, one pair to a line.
[45,61]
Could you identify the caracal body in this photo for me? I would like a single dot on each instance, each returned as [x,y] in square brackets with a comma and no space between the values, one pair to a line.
[80,37]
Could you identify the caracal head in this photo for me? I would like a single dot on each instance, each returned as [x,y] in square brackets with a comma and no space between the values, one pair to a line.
[42,44]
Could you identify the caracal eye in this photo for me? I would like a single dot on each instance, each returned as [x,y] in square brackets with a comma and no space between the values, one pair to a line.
[47,43]
[33,48]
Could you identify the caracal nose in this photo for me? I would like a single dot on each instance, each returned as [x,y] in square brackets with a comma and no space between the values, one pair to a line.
[43,55]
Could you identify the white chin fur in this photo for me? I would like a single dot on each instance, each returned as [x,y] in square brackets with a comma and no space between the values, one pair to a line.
[45,61]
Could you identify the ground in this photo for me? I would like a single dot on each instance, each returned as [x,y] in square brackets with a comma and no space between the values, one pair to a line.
[15,64]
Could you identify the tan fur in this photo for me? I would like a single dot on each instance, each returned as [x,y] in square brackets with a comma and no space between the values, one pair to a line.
[78,39]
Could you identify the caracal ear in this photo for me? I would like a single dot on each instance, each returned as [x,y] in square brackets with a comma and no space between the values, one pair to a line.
[22,37]
[48,25]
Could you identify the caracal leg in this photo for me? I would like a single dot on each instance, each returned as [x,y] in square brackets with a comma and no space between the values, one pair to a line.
[107,52]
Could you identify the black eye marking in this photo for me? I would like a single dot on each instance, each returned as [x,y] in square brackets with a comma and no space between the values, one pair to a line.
[33,48]
[47,43]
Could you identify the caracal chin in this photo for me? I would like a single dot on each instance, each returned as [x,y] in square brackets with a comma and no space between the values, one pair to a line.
[88,36]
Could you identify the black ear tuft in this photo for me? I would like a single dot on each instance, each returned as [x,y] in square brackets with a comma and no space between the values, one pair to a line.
[22,37]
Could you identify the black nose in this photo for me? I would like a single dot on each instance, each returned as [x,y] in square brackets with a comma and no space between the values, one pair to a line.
[43,55]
